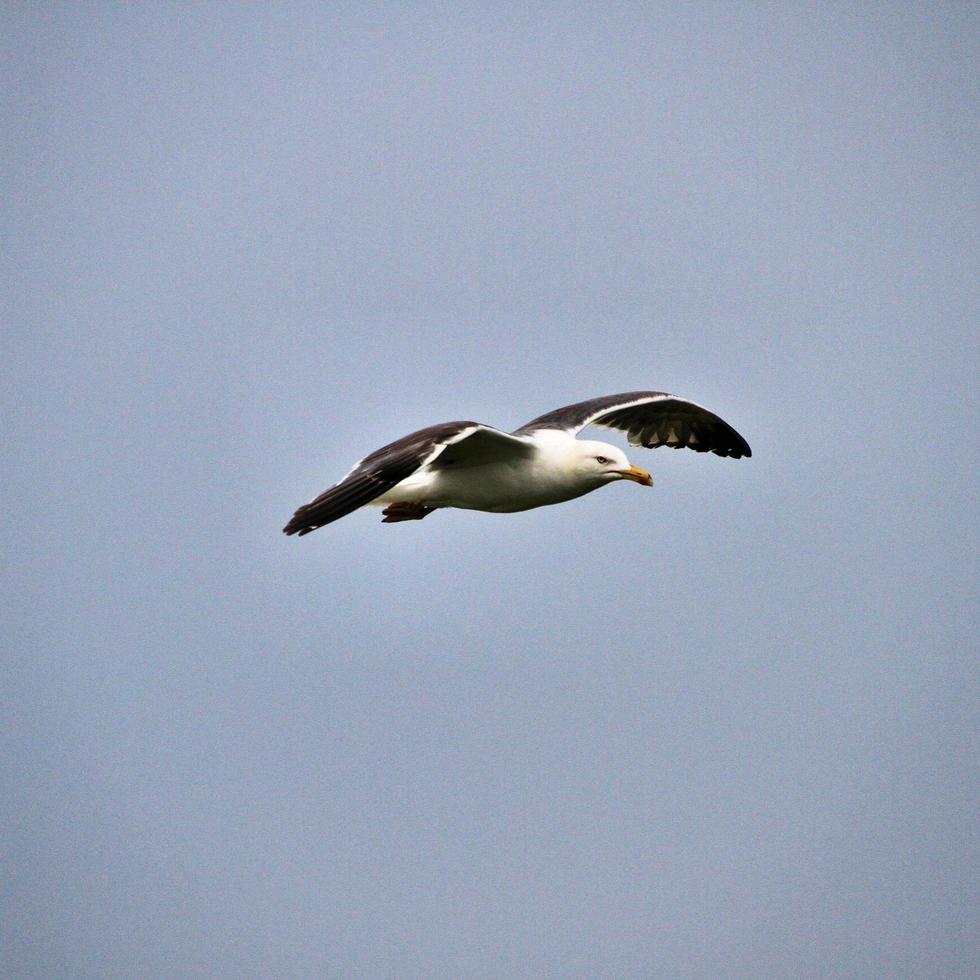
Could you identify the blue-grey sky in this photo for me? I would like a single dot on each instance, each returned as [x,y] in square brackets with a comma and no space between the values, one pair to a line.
[726,727]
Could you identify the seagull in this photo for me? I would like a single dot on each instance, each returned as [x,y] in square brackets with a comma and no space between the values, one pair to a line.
[477,467]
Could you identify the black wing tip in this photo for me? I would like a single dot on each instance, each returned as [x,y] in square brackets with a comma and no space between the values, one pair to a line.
[741,447]
[297,527]
[302,523]
[733,452]
[740,451]
[725,450]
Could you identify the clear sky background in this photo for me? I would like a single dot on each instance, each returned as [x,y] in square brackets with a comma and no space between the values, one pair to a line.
[726,727]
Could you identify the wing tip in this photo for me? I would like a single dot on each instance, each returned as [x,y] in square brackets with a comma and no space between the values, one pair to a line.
[299,524]
[733,452]
[742,448]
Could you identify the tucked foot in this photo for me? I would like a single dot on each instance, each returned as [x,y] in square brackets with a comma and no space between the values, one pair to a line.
[394,513]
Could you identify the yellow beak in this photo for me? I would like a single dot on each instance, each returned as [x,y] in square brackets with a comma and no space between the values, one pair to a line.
[637,475]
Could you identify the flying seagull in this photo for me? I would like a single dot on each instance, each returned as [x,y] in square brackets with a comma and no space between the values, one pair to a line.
[477,467]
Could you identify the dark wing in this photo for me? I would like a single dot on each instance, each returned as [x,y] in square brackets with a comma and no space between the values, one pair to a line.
[651,419]
[374,475]
[457,444]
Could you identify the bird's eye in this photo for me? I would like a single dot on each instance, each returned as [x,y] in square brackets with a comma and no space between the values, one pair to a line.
[601,459]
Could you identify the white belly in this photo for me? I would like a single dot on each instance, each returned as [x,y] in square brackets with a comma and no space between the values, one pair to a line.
[500,488]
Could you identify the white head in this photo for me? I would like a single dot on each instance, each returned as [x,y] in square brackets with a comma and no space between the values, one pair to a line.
[600,463]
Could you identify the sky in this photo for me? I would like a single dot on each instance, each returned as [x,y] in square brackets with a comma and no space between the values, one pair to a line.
[723,727]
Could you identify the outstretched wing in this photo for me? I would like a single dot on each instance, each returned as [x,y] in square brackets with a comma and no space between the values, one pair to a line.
[479,446]
[455,444]
[651,419]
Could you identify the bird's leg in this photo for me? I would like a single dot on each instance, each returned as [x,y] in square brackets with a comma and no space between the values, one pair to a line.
[394,513]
